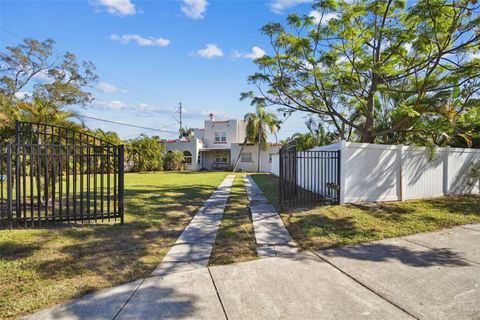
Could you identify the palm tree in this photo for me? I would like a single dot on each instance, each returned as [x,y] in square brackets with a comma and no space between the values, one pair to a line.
[36,111]
[40,111]
[186,133]
[259,124]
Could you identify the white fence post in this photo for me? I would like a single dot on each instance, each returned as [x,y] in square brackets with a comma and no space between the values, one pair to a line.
[342,170]
[401,184]
[446,173]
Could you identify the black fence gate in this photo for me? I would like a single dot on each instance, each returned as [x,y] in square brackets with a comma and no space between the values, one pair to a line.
[55,174]
[308,178]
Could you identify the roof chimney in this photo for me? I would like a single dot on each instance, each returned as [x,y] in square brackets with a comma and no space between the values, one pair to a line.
[211,116]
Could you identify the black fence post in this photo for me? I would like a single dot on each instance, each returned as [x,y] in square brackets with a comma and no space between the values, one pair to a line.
[280,179]
[17,132]
[121,173]
[9,186]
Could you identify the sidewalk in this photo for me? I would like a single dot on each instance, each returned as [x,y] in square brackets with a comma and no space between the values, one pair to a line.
[193,248]
[272,238]
[428,276]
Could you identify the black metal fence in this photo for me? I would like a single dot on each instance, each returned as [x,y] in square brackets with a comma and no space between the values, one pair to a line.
[308,178]
[55,174]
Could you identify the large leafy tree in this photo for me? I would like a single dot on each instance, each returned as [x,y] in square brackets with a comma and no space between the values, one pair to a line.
[377,69]
[38,85]
[34,66]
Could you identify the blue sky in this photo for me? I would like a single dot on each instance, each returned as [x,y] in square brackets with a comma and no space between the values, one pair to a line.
[150,55]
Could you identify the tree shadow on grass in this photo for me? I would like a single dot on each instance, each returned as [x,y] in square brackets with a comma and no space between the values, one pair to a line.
[465,204]
[152,225]
[11,250]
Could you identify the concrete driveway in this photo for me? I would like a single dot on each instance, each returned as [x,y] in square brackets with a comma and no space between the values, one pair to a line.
[425,276]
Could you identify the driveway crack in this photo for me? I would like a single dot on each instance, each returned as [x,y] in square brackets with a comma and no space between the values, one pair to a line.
[218,294]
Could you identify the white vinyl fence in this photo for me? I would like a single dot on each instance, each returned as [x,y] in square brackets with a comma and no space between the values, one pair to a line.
[372,172]
[275,166]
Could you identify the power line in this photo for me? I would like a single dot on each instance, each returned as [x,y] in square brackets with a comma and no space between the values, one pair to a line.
[127,124]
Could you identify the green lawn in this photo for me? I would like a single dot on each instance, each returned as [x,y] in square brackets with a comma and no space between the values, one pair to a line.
[334,226]
[236,238]
[41,267]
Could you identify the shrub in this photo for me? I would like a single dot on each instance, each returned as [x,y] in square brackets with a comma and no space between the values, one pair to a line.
[174,161]
[144,154]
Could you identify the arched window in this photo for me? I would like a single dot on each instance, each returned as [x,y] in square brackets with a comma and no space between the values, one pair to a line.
[188,157]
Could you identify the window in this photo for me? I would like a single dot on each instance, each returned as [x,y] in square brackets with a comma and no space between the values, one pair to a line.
[246,157]
[270,155]
[220,137]
[199,158]
[221,157]
[188,157]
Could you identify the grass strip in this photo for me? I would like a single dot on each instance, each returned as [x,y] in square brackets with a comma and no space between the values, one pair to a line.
[235,240]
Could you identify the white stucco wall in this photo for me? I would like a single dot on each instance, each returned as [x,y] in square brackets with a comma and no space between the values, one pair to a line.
[234,129]
[265,164]
[199,133]
[192,145]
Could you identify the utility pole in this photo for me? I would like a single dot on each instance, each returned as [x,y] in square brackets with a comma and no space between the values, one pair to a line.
[180,109]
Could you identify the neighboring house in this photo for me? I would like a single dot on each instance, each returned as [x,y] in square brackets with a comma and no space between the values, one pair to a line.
[217,146]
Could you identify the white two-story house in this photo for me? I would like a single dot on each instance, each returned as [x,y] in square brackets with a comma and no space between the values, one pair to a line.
[217,146]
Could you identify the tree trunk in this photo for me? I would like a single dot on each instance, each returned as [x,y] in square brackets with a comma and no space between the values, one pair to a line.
[367,136]
[258,163]
[239,155]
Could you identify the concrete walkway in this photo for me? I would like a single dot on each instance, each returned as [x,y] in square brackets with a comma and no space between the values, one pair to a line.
[273,239]
[193,248]
[425,276]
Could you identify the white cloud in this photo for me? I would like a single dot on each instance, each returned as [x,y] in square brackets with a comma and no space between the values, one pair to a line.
[194,9]
[254,54]
[203,114]
[317,17]
[279,6]
[109,88]
[143,109]
[210,51]
[23,95]
[43,77]
[112,105]
[141,41]
[408,47]
[307,65]
[117,7]
[472,56]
